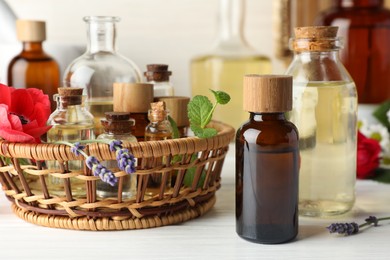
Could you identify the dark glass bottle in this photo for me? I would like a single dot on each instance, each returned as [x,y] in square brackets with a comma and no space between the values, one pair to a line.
[33,68]
[365,27]
[267,163]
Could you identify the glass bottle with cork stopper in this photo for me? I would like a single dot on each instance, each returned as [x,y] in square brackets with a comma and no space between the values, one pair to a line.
[267,163]
[325,112]
[117,126]
[33,68]
[158,75]
[158,129]
[71,122]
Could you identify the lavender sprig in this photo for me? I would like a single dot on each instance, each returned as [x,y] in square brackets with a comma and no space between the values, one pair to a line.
[99,170]
[352,228]
[126,161]
[92,163]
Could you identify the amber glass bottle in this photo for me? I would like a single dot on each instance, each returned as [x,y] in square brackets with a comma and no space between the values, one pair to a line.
[267,163]
[364,25]
[33,68]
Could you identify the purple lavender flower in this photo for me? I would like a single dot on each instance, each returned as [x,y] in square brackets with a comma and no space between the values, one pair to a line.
[126,161]
[372,220]
[99,170]
[115,145]
[76,148]
[344,228]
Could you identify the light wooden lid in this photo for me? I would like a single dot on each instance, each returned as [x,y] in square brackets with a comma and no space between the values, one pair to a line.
[132,97]
[31,31]
[267,93]
[177,107]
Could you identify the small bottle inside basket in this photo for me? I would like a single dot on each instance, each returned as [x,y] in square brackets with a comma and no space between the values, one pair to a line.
[158,129]
[117,126]
[71,122]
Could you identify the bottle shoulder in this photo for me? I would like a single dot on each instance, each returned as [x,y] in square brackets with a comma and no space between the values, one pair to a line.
[71,116]
[268,132]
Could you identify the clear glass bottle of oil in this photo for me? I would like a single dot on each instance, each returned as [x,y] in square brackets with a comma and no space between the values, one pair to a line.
[325,112]
[117,126]
[70,122]
[99,67]
[158,129]
[224,67]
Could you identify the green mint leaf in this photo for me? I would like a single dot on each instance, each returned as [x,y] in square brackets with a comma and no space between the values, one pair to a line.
[190,175]
[203,132]
[221,97]
[199,109]
[175,130]
[380,113]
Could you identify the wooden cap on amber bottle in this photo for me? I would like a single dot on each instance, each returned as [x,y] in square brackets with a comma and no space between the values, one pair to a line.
[31,31]
[267,93]
[132,97]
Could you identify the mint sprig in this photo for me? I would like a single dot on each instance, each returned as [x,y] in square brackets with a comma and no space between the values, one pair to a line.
[200,112]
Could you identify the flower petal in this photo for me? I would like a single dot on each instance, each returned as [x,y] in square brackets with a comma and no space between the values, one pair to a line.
[16,136]
[22,103]
[5,95]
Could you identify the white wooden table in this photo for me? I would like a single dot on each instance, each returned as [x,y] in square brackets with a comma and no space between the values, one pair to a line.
[212,236]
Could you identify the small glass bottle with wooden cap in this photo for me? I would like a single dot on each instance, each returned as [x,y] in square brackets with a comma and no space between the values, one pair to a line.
[71,122]
[325,112]
[32,67]
[117,126]
[158,129]
[267,163]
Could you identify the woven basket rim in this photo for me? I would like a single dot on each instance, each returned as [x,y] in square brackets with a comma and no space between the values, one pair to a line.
[61,152]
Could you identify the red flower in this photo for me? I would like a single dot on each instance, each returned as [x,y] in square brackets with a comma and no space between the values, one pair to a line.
[23,114]
[367,156]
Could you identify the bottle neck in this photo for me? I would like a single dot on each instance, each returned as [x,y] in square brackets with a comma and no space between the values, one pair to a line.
[32,47]
[101,34]
[261,117]
[231,23]
[64,102]
[307,56]
[360,3]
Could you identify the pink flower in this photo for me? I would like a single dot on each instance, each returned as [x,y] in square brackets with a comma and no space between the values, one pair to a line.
[23,114]
[368,151]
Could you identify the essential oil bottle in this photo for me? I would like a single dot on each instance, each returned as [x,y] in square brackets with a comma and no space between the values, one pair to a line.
[267,163]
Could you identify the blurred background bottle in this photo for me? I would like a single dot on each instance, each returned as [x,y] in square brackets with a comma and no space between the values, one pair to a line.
[224,67]
[32,67]
[364,25]
[99,67]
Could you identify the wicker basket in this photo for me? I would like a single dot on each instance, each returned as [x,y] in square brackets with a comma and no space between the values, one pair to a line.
[26,185]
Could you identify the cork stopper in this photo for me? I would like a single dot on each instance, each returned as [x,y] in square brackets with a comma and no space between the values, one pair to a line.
[70,91]
[177,107]
[117,116]
[31,31]
[267,93]
[316,32]
[158,111]
[132,97]
[117,122]
[157,72]
[315,38]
